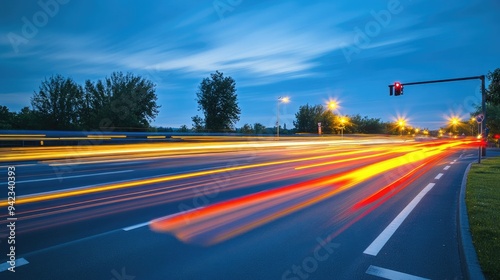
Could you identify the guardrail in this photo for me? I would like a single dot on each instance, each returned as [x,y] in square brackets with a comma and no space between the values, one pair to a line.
[23,138]
[36,138]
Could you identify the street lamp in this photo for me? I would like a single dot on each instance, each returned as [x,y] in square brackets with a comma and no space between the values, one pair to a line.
[401,123]
[343,120]
[285,99]
[472,122]
[454,121]
[333,105]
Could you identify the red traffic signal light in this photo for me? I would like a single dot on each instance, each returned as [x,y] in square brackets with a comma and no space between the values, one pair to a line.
[398,88]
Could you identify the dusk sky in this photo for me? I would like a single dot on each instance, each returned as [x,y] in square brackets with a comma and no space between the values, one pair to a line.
[311,51]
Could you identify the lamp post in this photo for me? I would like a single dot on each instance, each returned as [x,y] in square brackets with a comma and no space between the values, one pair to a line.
[342,121]
[401,124]
[454,121]
[471,122]
[332,105]
[284,100]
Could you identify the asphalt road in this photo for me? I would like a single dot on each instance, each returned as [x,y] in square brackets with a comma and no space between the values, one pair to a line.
[353,209]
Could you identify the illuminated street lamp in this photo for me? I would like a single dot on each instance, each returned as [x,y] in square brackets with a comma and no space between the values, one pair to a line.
[285,99]
[333,105]
[454,122]
[401,124]
[343,120]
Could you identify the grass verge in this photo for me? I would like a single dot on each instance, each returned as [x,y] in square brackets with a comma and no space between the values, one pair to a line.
[483,206]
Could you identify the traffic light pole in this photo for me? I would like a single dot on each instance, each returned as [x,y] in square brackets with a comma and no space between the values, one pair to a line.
[483,95]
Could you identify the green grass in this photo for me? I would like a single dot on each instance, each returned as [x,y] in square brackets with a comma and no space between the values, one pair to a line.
[483,205]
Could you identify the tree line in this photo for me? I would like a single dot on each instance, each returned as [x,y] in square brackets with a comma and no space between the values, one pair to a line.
[124,102]
[127,102]
[308,117]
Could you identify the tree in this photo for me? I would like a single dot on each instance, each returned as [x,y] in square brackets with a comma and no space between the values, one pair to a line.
[95,105]
[493,118]
[329,121]
[122,101]
[217,99]
[366,125]
[247,129]
[27,119]
[58,103]
[6,118]
[493,93]
[164,129]
[198,123]
[307,118]
[259,128]
[183,128]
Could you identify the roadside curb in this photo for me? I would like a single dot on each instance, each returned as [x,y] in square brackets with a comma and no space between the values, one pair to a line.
[467,250]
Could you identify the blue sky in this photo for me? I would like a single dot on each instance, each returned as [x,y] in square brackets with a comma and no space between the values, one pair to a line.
[311,51]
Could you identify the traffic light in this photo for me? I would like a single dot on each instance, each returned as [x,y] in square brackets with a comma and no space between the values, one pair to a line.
[398,88]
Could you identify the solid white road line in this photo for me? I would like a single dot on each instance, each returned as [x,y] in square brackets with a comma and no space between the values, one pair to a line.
[5,266]
[380,241]
[446,167]
[439,176]
[72,177]
[391,274]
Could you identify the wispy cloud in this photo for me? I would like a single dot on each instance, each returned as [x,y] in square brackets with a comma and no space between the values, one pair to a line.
[251,43]
[196,17]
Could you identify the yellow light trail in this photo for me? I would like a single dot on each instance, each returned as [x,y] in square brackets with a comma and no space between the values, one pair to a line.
[116,186]
[44,153]
[214,217]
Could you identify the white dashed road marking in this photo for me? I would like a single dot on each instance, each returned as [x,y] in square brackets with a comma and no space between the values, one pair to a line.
[380,241]
[391,274]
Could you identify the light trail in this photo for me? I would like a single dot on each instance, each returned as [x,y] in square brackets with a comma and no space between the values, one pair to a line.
[211,224]
[135,183]
[242,215]
[45,153]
